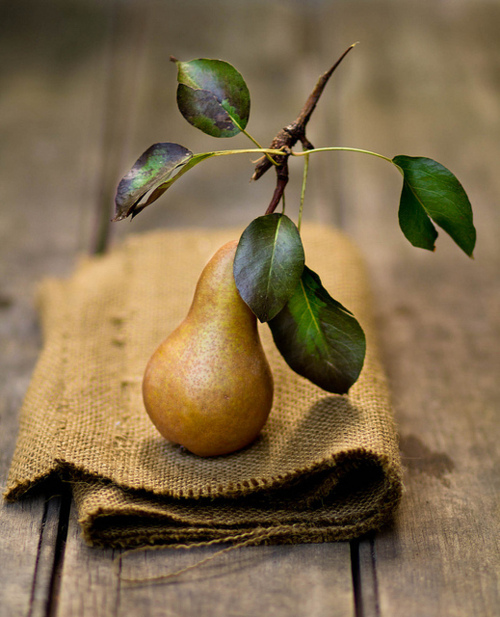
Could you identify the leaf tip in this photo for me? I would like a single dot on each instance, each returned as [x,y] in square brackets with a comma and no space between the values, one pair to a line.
[173,59]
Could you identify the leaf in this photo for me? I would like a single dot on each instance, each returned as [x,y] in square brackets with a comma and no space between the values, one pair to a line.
[213,96]
[431,191]
[268,264]
[151,169]
[319,338]
[159,190]
[414,222]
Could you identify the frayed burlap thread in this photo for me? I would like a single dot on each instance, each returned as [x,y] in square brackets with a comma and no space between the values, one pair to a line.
[325,467]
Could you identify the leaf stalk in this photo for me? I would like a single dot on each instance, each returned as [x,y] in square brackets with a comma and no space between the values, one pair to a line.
[343,149]
[303,189]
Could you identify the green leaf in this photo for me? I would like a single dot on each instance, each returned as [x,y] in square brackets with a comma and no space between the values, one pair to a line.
[151,169]
[268,264]
[213,96]
[431,191]
[414,222]
[319,338]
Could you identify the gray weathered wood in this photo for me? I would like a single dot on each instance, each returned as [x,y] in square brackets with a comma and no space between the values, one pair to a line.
[50,136]
[301,580]
[86,90]
[89,578]
[438,312]
[446,389]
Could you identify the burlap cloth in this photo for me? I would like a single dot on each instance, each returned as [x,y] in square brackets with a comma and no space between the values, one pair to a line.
[325,468]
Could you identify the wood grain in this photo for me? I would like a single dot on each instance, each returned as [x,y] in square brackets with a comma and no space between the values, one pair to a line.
[291,580]
[87,88]
[50,135]
[438,324]
[280,580]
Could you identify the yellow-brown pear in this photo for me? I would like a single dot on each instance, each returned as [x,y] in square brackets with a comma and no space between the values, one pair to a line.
[209,386]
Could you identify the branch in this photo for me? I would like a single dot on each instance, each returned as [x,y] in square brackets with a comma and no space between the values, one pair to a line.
[288,136]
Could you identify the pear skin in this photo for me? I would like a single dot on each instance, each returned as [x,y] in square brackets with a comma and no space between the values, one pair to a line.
[209,386]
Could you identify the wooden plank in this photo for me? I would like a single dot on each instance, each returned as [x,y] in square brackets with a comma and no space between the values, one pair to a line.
[427,88]
[50,551]
[20,529]
[88,579]
[299,580]
[49,119]
[442,557]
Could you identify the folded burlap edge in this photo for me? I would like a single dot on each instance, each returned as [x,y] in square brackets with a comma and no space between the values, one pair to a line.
[101,526]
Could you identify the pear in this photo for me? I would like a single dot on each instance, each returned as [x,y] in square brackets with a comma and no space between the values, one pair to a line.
[209,386]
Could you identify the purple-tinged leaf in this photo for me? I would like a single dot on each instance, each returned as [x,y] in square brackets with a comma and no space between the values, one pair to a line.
[213,96]
[152,169]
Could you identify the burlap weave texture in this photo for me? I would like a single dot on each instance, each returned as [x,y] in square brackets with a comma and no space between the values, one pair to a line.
[326,467]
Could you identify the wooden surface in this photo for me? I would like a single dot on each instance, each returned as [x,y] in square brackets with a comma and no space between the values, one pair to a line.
[85,87]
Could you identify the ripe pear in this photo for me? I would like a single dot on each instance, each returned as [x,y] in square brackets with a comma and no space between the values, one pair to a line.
[209,386]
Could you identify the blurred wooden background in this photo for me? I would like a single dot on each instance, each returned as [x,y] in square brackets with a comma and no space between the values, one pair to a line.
[86,86]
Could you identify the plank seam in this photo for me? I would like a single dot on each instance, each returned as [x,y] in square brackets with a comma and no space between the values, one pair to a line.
[356,578]
[373,558]
[38,557]
[59,551]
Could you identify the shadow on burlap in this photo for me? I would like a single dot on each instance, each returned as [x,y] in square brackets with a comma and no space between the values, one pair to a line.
[325,467]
